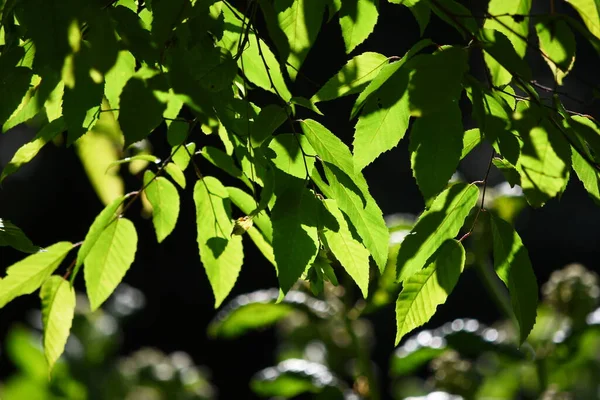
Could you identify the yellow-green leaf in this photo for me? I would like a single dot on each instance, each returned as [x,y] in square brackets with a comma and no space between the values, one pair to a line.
[164,199]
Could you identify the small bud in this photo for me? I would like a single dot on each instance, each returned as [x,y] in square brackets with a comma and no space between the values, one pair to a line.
[241,225]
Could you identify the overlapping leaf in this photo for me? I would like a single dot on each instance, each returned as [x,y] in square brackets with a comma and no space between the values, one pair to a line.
[221,253]
[425,290]
[357,20]
[27,275]
[164,199]
[440,222]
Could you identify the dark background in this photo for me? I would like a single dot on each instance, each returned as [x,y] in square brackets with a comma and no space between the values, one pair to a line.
[52,200]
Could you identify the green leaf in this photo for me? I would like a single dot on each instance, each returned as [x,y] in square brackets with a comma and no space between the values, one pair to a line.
[108,260]
[225,162]
[27,152]
[58,309]
[295,237]
[304,102]
[139,157]
[424,291]
[11,235]
[14,87]
[471,139]
[511,262]
[545,158]
[182,155]
[447,10]
[508,170]
[134,34]
[501,58]
[176,174]
[557,44]
[383,122]
[289,157]
[211,67]
[221,253]
[357,20]
[262,244]
[27,275]
[116,78]
[98,226]
[385,73]
[350,189]
[97,152]
[249,317]
[140,111]
[589,11]
[587,174]
[440,222]
[164,199]
[166,15]
[300,21]
[352,78]
[247,205]
[436,142]
[269,119]
[440,73]
[251,59]
[353,256]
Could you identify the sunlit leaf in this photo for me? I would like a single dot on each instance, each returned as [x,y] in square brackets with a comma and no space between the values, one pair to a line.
[300,21]
[164,199]
[357,20]
[116,78]
[589,11]
[471,139]
[182,155]
[511,262]
[557,44]
[384,120]
[353,256]
[27,275]
[247,205]
[221,160]
[221,253]
[58,309]
[501,58]
[176,174]
[108,260]
[27,152]
[436,146]
[425,290]
[440,222]
[269,119]
[352,78]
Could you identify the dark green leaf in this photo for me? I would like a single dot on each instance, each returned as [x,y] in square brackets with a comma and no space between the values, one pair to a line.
[440,222]
[165,15]
[508,170]
[221,160]
[436,142]
[455,14]
[11,235]
[14,84]
[511,262]
[134,35]
[501,58]
[269,119]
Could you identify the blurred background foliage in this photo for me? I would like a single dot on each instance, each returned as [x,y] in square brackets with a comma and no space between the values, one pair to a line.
[325,341]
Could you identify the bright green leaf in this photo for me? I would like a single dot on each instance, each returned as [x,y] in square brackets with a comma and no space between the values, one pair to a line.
[501,58]
[11,235]
[176,174]
[352,78]
[511,262]
[589,11]
[247,205]
[436,142]
[116,78]
[248,317]
[304,102]
[27,275]
[471,139]
[58,309]
[357,20]
[27,152]
[108,260]
[164,199]
[225,162]
[424,291]
[139,157]
[182,155]
[328,146]
[440,222]
[557,44]
[221,253]
[383,121]
[300,21]
[353,256]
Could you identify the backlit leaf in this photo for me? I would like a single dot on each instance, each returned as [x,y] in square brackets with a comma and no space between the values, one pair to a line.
[436,146]
[221,253]
[589,11]
[176,174]
[269,119]
[511,262]
[353,256]
[384,120]
[352,78]
[357,20]
[116,78]
[27,275]
[225,162]
[58,309]
[11,235]
[471,139]
[182,155]
[557,44]
[442,221]
[164,199]
[424,291]
[108,260]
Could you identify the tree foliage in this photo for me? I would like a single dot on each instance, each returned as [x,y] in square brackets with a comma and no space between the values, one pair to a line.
[105,75]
